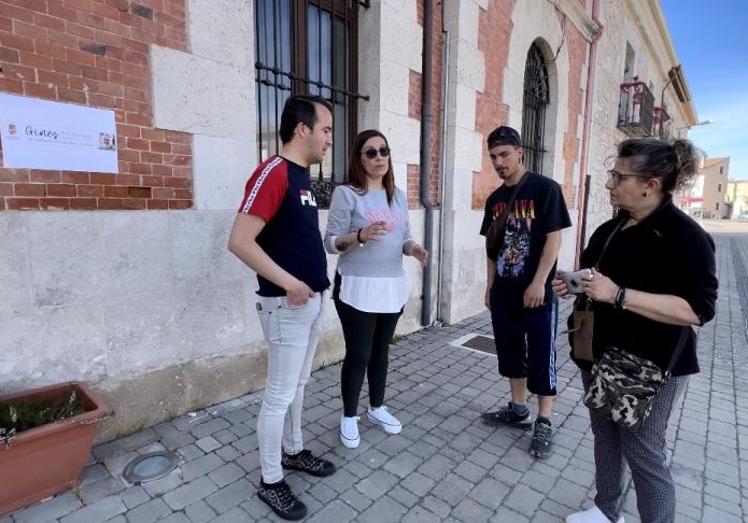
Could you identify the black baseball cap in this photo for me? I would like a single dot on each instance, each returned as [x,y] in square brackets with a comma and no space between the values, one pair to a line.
[503,135]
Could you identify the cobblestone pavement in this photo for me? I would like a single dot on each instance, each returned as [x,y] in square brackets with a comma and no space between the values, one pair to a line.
[445,465]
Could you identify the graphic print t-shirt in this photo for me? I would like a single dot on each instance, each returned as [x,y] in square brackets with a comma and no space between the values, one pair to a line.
[538,210]
[280,192]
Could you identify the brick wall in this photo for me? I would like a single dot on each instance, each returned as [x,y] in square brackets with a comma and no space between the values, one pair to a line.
[572,141]
[494,35]
[415,106]
[95,53]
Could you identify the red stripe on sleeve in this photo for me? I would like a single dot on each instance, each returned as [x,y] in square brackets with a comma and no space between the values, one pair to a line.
[266,189]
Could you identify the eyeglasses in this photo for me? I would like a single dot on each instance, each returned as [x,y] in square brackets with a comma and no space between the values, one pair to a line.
[616,177]
[383,151]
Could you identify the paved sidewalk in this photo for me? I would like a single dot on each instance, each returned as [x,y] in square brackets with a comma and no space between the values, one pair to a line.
[445,465]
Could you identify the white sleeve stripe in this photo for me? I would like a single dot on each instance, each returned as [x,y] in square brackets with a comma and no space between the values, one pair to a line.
[260,180]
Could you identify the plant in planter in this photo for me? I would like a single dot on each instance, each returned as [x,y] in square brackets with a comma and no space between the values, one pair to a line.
[45,437]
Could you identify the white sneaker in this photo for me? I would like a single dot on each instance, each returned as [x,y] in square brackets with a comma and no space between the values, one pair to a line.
[349,432]
[384,419]
[591,515]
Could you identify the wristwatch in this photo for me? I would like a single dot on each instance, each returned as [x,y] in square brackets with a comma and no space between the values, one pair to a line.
[360,240]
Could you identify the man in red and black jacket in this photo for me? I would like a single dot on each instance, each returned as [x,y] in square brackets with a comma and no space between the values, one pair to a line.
[276,233]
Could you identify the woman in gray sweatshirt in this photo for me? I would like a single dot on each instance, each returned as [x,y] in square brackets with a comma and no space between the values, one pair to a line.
[368,226]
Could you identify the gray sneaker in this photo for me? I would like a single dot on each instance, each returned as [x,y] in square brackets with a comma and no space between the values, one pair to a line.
[542,439]
[506,417]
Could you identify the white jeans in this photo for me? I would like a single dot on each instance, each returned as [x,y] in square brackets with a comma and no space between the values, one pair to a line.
[293,334]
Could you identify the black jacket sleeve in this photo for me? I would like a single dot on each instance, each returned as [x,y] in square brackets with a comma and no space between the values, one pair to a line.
[697,272]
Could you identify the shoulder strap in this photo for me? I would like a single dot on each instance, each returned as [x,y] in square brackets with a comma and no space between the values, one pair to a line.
[494,232]
[505,214]
[583,302]
[607,241]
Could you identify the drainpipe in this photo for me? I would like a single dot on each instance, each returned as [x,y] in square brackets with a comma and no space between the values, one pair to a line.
[442,170]
[584,177]
[426,119]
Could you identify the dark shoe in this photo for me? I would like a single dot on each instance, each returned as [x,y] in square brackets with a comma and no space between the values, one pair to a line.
[542,443]
[506,417]
[306,462]
[281,500]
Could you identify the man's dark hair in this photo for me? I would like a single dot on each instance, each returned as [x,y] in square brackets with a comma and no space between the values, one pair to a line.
[503,135]
[300,109]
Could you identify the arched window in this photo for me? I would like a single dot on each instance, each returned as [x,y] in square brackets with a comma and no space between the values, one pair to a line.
[536,99]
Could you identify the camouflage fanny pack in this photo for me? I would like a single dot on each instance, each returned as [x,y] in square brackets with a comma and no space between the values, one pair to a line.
[623,386]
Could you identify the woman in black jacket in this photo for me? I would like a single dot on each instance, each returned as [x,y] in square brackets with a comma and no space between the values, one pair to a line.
[653,274]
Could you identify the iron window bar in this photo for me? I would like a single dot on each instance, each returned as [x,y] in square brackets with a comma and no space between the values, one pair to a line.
[636,111]
[535,100]
[296,77]
[292,59]
[662,124]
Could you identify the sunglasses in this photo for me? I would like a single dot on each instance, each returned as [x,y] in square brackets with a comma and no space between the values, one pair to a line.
[383,151]
[616,177]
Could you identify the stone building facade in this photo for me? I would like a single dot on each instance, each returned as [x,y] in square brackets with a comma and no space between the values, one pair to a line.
[124,279]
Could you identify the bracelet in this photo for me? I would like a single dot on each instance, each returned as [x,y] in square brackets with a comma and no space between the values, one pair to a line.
[620,298]
[358,236]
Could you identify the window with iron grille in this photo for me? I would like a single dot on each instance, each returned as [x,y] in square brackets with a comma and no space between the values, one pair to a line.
[308,47]
[536,99]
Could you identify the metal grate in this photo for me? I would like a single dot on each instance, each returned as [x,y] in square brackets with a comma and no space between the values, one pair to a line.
[481,343]
[473,341]
[308,47]
[636,109]
[536,99]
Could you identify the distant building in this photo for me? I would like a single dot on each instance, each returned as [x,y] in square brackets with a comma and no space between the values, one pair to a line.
[715,172]
[736,199]
[705,197]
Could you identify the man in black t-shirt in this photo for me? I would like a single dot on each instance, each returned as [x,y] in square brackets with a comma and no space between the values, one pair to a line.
[521,262]
[276,233]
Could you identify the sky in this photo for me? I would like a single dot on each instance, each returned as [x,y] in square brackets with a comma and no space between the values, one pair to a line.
[715,61]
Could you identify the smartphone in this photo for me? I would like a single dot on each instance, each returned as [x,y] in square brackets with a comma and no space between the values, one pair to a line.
[573,280]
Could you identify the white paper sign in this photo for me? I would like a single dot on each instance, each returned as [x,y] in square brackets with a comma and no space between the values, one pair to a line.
[40,134]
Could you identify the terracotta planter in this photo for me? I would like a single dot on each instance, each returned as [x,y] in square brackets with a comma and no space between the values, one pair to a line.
[43,461]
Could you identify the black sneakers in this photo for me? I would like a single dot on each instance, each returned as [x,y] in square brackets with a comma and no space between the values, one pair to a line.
[281,500]
[279,497]
[506,417]
[541,444]
[306,462]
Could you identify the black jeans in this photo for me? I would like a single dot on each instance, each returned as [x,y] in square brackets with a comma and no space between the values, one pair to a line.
[367,342]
